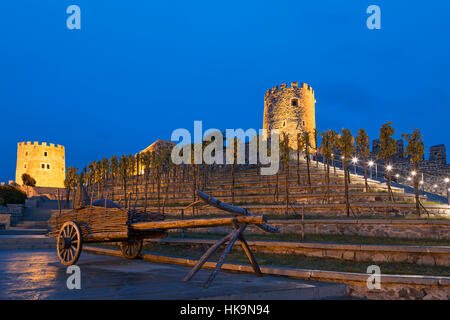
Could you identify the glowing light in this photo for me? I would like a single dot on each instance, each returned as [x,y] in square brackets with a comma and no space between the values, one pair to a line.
[421,181]
[389,168]
[435,186]
[342,157]
[397,175]
[409,178]
[446,180]
[413,173]
[371,163]
[355,160]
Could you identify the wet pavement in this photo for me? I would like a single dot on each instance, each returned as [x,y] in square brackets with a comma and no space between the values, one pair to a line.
[37,274]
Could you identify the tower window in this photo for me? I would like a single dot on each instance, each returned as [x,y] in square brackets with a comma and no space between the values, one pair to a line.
[294,102]
[284,123]
[26,153]
[43,166]
[48,166]
[45,153]
[303,123]
[25,166]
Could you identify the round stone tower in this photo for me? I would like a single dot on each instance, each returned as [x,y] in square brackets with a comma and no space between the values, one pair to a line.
[45,163]
[291,110]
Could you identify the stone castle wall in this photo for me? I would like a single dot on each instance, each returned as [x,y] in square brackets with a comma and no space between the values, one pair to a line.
[291,110]
[44,162]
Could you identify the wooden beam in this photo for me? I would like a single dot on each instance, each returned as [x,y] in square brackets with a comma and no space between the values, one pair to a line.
[196,223]
[206,255]
[236,233]
[233,209]
[250,256]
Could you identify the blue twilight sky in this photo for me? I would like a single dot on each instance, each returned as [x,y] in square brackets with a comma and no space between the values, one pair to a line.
[139,69]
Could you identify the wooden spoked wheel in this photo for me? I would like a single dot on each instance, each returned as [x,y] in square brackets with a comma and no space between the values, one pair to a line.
[131,249]
[69,243]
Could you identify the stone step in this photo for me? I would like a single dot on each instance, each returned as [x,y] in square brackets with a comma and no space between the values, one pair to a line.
[40,224]
[12,242]
[23,231]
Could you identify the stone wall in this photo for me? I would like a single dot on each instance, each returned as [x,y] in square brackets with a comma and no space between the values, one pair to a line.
[409,229]
[5,218]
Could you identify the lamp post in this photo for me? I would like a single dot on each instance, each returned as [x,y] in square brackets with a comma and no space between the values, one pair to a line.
[446,188]
[370,166]
[355,161]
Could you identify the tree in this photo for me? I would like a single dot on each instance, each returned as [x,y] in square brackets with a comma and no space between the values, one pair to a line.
[167,167]
[306,145]
[236,144]
[284,150]
[300,147]
[146,163]
[363,143]
[316,132]
[326,149]
[28,181]
[91,178]
[114,168]
[123,174]
[157,168]
[98,177]
[131,171]
[415,150]
[104,173]
[70,184]
[388,148]
[346,145]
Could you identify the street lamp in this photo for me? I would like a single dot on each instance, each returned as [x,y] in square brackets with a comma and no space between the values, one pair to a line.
[446,187]
[355,161]
[370,166]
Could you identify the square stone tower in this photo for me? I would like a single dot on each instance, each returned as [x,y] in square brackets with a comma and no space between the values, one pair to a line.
[44,162]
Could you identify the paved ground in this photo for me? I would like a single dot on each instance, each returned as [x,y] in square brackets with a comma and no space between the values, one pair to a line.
[37,274]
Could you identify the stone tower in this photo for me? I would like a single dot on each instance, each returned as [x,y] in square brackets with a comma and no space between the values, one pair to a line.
[45,163]
[291,110]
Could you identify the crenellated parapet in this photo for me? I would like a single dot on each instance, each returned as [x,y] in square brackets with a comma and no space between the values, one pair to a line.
[40,144]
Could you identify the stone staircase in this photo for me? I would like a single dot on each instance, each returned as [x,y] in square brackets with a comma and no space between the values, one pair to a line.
[34,220]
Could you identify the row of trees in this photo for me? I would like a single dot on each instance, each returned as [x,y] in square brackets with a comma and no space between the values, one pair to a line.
[156,167]
[349,147]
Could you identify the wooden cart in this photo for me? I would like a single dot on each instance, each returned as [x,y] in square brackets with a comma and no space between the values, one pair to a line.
[91,224]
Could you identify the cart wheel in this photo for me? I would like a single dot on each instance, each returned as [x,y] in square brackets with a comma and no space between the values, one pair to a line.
[69,243]
[131,248]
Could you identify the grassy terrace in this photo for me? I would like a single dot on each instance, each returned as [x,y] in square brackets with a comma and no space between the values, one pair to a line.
[295,261]
[320,238]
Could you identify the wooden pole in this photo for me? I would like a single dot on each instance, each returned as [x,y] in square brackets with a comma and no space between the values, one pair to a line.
[205,257]
[196,223]
[236,233]
[250,256]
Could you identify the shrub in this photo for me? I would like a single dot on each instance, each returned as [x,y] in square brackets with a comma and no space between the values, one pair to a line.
[2,202]
[28,180]
[12,195]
